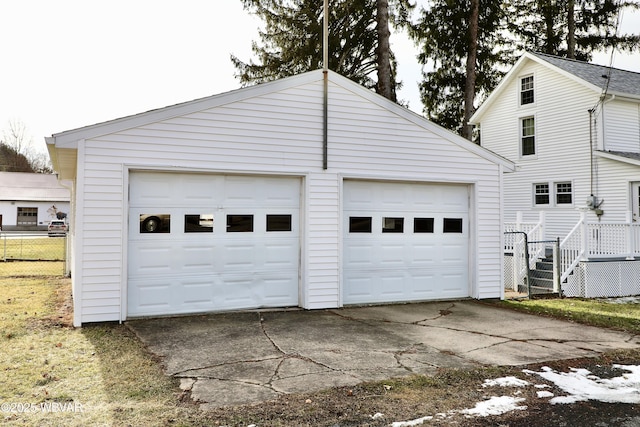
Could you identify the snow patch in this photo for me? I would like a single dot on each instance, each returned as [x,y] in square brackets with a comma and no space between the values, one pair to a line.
[544,393]
[505,382]
[582,385]
[495,406]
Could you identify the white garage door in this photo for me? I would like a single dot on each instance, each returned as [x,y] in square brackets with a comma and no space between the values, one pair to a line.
[405,242]
[212,242]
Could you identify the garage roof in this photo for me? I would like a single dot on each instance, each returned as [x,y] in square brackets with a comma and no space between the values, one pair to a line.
[62,146]
[26,186]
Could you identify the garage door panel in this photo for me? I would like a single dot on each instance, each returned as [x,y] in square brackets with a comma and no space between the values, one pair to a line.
[415,262]
[193,268]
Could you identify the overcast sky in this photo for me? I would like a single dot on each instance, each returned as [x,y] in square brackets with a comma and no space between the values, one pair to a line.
[71,63]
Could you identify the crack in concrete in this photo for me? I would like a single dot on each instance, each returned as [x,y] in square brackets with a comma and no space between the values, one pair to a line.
[444,312]
[178,374]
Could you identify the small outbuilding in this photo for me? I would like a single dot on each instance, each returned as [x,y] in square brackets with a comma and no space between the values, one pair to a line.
[29,201]
[270,196]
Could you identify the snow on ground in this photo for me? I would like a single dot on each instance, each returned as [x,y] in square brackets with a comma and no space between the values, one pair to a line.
[579,384]
[495,406]
[505,382]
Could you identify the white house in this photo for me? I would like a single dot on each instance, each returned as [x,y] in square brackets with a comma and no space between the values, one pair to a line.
[234,201]
[573,131]
[28,201]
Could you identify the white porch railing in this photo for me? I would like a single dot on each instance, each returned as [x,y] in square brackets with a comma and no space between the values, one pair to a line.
[598,240]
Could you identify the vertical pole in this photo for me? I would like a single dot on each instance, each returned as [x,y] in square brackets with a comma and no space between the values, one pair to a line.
[325,72]
[526,260]
[556,266]
[584,230]
[631,241]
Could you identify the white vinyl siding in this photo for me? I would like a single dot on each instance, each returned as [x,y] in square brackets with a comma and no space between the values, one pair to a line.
[279,133]
[621,126]
[562,144]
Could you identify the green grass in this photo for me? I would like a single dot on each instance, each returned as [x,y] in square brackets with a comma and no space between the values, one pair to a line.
[103,370]
[29,248]
[594,312]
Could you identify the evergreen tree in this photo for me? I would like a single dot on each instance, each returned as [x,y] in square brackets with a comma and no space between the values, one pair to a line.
[291,41]
[444,35]
[570,28]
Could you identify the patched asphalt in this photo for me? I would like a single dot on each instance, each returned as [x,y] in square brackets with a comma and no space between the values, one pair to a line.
[247,357]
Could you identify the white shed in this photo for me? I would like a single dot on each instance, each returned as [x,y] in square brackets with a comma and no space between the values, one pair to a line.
[229,202]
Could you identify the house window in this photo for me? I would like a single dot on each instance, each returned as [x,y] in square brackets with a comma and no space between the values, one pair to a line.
[27,216]
[526,90]
[528,139]
[564,194]
[541,195]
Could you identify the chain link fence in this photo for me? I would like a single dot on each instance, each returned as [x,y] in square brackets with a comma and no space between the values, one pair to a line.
[32,255]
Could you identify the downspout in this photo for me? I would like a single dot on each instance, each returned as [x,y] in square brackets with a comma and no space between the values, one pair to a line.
[325,73]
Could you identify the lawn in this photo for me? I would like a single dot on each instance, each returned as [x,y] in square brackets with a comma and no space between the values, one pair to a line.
[594,312]
[32,256]
[53,374]
[32,248]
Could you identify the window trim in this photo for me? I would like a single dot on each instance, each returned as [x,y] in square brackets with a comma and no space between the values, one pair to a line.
[553,194]
[521,137]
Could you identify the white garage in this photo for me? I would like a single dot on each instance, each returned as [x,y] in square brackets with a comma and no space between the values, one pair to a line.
[261,197]
[405,242]
[202,242]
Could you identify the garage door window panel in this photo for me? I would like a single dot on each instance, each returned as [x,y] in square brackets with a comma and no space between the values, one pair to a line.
[278,222]
[423,225]
[202,223]
[155,223]
[359,224]
[392,225]
[452,225]
[239,223]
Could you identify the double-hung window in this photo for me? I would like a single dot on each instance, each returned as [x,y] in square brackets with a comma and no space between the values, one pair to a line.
[546,194]
[564,195]
[528,136]
[541,196]
[526,90]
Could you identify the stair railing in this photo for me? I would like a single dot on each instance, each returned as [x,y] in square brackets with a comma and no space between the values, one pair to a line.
[573,248]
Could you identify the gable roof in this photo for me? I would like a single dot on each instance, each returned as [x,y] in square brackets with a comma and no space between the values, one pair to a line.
[63,146]
[25,186]
[621,82]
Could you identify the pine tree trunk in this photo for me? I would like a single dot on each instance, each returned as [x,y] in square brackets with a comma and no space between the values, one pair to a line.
[571,30]
[470,83]
[384,87]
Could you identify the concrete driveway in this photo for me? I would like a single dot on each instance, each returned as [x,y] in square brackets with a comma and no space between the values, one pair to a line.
[247,357]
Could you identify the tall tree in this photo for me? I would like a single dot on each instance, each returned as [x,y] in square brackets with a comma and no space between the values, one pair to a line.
[385,85]
[570,28]
[291,41]
[470,77]
[445,36]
